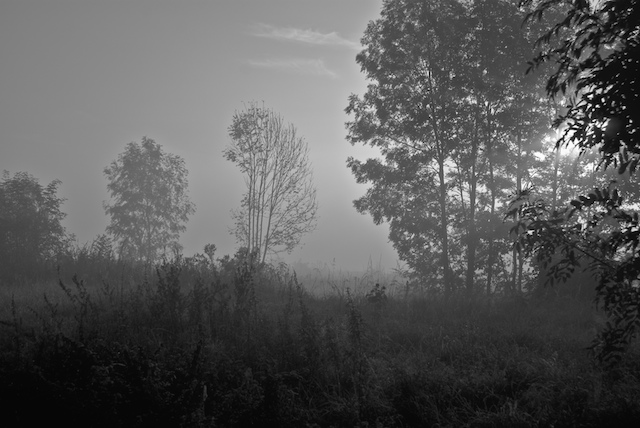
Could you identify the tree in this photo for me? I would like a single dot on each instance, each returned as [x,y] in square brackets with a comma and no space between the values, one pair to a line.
[597,69]
[410,112]
[150,203]
[598,66]
[445,108]
[503,110]
[280,204]
[31,232]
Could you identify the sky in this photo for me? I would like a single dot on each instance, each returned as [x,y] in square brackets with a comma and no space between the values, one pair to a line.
[81,79]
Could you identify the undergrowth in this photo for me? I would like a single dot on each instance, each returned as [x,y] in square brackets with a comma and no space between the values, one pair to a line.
[198,345]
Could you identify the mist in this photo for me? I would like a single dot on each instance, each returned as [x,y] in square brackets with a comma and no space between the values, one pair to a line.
[340,213]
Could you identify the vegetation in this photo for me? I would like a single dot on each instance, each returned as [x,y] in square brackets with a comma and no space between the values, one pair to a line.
[31,235]
[473,338]
[150,206]
[460,127]
[217,344]
[596,74]
[280,204]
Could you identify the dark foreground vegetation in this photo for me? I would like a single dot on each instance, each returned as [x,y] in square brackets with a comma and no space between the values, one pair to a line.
[199,343]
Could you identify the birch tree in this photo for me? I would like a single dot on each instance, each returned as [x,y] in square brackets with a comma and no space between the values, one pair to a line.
[279,206]
[149,201]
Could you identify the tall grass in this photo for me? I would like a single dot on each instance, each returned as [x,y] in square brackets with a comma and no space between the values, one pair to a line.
[221,345]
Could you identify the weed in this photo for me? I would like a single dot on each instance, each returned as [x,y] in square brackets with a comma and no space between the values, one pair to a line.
[309,334]
[202,345]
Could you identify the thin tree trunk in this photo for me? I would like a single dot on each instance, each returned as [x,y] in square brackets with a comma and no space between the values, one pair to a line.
[556,167]
[444,236]
[517,265]
[491,238]
[471,227]
[520,270]
[492,190]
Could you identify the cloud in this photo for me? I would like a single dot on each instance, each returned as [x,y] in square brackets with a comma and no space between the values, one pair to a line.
[304,36]
[314,67]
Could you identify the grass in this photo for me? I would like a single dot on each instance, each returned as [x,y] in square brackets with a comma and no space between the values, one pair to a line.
[194,346]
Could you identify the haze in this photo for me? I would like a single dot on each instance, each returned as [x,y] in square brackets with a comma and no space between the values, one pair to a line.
[81,79]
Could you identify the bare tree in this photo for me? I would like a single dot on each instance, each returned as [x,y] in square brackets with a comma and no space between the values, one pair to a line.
[280,203]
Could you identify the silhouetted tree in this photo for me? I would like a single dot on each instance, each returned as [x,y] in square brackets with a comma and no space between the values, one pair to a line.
[280,204]
[31,232]
[150,203]
[411,56]
[502,111]
[450,109]
[597,59]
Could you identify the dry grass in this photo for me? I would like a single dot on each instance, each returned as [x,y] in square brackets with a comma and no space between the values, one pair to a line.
[193,347]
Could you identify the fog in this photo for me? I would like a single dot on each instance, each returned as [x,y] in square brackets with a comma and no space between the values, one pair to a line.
[81,79]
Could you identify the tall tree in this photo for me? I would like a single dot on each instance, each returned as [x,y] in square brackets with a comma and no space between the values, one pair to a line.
[445,106]
[409,112]
[280,204]
[500,105]
[150,203]
[31,232]
[597,67]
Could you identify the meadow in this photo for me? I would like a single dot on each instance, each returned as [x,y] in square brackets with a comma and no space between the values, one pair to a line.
[200,343]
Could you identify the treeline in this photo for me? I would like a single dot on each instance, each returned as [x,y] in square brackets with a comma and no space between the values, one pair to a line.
[464,127]
[149,204]
[148,210]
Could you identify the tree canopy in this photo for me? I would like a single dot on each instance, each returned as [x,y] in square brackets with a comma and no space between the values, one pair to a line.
[31,232]
[457,123]
[597,64]
[149,201]
[595,51]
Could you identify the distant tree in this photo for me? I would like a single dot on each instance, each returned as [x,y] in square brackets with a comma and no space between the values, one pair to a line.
[597,75]
[31,232]
[280,204]
[101,248]
[150,203]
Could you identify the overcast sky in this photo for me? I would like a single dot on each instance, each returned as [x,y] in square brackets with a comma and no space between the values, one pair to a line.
[81,79]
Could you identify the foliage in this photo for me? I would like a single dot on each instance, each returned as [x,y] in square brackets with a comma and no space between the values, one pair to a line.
[457,124]
[94,256]
[149,203]
[280,204]
[31,232]
[597,66]
[408,56]
[597,231]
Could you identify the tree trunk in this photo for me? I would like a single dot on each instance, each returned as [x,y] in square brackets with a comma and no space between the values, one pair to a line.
[491,237]
[555,184]
[516,275]
[444,236]
[472,238]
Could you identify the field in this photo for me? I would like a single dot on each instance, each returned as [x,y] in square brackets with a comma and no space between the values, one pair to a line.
[194,345]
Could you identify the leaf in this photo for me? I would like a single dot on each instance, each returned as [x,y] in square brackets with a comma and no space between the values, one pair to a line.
[622,167]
